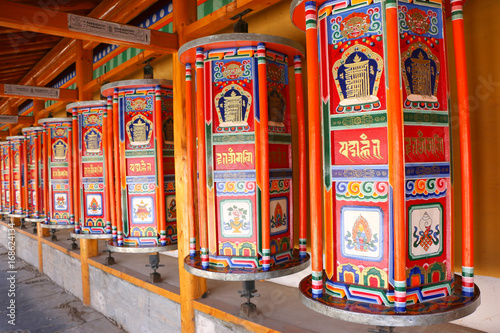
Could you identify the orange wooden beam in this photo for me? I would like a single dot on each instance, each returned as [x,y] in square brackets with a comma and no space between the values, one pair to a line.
[54,108]
[122,70]
[67,95]
[36,19]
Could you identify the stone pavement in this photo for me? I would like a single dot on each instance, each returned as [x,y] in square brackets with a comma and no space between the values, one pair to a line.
[37,305]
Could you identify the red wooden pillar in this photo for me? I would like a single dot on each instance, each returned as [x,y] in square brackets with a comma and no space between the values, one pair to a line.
[465,149]
[315,151]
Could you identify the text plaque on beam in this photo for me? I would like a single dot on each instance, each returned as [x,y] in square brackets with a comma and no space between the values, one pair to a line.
[31,91]
[108,29]
[4,119]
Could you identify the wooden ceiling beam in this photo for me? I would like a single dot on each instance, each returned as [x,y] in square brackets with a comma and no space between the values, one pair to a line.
[20,63]
[220,18]
[20,16]
[4,30]
[62,6]
[74,6]
[25,68]
[68,95]
[11,77]
[64,53]
[21,49]
[21,38]
[15,57]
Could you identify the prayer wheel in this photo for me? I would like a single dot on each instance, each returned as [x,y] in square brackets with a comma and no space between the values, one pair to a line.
[244,139]
[33,137]
[5,178]
[94,160]
[58,173]
[142,132]
[17,155]
[379,92]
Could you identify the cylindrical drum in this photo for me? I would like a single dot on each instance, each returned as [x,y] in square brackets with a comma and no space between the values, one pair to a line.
[244,130]
[93,147]
[387,186]
[58,168]
[34,176]
[17,176]
[5,177]
[144,169]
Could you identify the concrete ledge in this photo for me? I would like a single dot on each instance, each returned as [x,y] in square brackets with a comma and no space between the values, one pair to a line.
[63,269]
[134,308]
[27,248]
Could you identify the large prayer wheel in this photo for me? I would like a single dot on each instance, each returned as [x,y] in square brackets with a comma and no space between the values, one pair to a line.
[34,176]
[5,178]
[244,129]
[383,99]
[58,172]
[17,155]
[144,168]
[94,181]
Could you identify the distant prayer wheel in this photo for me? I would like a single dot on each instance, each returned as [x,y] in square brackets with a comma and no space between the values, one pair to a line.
[17,176]
[94,158]
[383,103]
[142,132]
[5,178]
[244,139]
[34,176]
[58,172]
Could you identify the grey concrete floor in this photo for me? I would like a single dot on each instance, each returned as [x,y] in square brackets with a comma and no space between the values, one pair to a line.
[41,305]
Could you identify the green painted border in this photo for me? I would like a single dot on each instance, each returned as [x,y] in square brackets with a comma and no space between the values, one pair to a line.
[427,118]
[359,120]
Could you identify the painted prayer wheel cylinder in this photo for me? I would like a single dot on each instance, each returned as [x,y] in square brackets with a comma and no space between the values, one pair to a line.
[94,182]
[58,171]
[387,168]
[245,186]
[5,177]
[142,112]
[17,176]
[34,177]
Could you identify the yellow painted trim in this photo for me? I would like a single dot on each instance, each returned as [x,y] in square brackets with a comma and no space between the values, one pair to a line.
[60,248]
[26,233]
[137,282]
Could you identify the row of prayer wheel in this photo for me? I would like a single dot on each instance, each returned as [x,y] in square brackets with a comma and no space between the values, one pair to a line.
[387,209]
[76,159]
